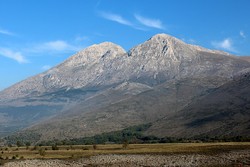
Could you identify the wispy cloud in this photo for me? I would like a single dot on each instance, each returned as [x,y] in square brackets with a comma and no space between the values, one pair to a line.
[53,46]
[242,34]
[154,23]
[57,47]
[81,38]
[226,44]
[143,21]
[116,18]
[17,56]
[46,67]
[6,32]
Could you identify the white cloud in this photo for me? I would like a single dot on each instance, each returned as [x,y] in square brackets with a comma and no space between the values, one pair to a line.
[57,45]
[116,18]
[154,23]
[81,38]
[46,67]
[53,46]
[226,44]
[17,56]
[242,34]
[6,32]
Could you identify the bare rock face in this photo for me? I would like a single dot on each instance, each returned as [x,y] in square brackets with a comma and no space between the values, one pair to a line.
[105,72]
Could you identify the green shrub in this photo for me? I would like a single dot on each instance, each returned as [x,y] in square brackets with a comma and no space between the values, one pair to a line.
[54,147]
[42,152]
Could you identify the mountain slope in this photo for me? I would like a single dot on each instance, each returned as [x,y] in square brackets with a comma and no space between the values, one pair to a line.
[247,58]
[223,112]
[147,106]
[54,90]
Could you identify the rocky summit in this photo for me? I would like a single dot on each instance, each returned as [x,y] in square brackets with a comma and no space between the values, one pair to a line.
[103,88]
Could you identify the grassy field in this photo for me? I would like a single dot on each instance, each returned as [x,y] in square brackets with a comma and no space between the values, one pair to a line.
[78,151]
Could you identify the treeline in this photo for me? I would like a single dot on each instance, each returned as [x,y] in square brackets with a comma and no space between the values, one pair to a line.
[132,135]
[138,139]
[222,138]
[22,139]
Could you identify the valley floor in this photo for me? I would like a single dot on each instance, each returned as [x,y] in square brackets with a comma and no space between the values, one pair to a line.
[182,155]
[235,158]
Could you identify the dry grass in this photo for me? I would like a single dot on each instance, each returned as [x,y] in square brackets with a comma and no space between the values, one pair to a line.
[66,152]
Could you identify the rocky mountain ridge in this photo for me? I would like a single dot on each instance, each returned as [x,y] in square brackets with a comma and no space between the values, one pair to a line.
[162,57]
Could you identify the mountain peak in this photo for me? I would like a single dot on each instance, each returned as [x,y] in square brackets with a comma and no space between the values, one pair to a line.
[162,35]
[170,41]
[94,53]
[164,38]
[102,48]
[105,45]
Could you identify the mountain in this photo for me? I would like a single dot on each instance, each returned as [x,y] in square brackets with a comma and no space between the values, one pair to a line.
[102,88]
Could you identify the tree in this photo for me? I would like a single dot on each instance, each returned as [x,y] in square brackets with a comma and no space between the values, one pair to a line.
[27,145]
[18,143]
[94,146]
[125,144]
[54,147]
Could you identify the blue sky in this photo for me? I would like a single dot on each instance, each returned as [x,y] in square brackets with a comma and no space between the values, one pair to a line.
[38,34]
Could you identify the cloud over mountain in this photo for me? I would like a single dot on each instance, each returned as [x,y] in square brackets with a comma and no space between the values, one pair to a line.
[153,23]
[226,44]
